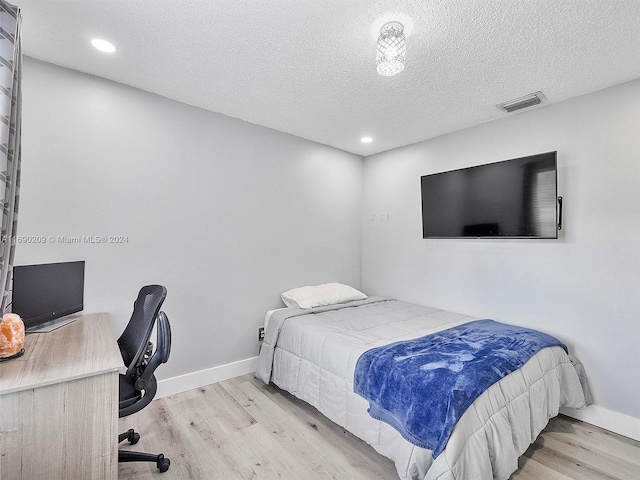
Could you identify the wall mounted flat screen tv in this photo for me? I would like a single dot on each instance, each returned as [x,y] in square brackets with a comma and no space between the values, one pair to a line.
[510,199]
[44,295]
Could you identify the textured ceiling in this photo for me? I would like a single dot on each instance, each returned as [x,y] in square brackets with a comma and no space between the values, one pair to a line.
[307,67]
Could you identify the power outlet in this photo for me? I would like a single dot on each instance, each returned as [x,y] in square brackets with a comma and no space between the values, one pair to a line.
[260,334]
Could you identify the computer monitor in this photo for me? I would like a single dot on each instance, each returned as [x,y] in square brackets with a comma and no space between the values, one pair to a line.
[45,295]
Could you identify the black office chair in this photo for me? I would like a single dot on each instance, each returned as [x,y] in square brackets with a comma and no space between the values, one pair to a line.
[138,385]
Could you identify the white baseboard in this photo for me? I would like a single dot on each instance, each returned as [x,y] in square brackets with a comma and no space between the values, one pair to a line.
[619,423]
[182,383]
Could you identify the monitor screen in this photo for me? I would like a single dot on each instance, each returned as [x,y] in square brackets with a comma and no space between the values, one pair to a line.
[510,199]
[48,291]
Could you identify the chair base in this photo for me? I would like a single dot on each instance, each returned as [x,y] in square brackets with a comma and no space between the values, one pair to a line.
[128,456]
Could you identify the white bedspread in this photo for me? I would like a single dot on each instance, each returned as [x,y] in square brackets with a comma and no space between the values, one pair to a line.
[313,356]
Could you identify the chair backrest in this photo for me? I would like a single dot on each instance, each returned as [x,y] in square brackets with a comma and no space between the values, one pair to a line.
[134,340]
[142,377]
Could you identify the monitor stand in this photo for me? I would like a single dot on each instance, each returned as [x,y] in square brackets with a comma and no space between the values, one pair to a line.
[51,325]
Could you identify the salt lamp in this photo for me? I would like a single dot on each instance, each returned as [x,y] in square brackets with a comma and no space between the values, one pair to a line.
[11,335]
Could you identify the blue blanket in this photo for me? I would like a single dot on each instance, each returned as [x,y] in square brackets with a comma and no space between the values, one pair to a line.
[421,387]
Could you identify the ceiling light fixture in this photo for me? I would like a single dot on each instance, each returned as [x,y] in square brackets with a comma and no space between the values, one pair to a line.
[391,49]
[366,139]
[103,45]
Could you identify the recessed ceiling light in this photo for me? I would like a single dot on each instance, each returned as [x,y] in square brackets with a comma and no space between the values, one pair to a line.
[103,45]
[366,139]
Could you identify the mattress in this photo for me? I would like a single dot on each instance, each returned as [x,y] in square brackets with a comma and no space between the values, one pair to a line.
[312,354]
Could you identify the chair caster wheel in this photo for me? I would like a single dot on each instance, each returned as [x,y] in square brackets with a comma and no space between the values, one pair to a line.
[163,463]
[133,437]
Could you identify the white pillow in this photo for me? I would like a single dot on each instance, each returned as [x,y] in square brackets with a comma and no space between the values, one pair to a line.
[319,295]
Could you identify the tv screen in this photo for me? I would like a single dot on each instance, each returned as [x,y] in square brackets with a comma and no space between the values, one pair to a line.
[510,199]
[45,292]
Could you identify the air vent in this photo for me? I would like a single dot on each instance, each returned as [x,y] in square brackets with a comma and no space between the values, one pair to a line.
[522,102]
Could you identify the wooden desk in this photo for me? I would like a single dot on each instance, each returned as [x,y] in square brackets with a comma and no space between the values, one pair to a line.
[59,404]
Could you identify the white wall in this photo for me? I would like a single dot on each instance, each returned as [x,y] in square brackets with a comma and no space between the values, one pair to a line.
[583,288]
[225,214]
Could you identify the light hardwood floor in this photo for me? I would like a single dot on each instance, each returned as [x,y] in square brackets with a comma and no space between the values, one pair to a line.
[242,429]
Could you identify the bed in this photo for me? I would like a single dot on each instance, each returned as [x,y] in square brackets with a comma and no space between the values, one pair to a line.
[312,353]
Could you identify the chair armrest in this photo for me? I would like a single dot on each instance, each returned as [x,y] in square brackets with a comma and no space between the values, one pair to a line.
[161,355]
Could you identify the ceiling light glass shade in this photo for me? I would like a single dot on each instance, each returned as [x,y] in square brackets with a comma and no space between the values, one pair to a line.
[391,49]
